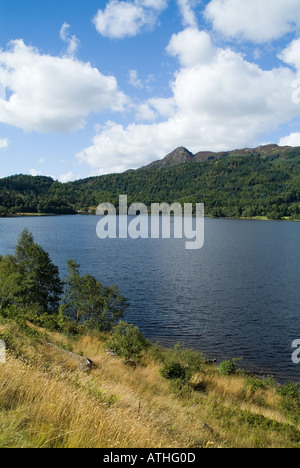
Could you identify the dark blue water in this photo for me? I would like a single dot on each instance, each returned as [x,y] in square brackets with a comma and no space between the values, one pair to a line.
[237,297]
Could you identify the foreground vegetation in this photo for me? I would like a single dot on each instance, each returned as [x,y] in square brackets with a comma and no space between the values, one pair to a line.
[47,402]
[31,288]
[130,393]
[262,185]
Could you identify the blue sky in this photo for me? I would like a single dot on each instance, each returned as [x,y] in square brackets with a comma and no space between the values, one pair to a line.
[93,87]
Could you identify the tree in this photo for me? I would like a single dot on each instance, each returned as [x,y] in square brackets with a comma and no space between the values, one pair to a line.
[10,279]
[86,301]
[128,341]
[40,283]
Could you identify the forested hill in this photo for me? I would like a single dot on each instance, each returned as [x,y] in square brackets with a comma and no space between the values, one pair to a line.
[244,183]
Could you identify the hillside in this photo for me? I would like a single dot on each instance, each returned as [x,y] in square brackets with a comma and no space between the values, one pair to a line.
[261,182]
[46,401]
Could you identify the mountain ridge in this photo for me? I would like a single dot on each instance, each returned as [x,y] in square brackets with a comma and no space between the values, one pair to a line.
[182,155]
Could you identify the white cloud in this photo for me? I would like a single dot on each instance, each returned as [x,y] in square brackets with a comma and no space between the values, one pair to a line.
[144,112]
[192,47]
[2,92]
[255,20]
[165,107]
[34,172]
[291,54]
[188,14]
[68,177]
[4,143]
[52,94]
[292,140]
[122,19]
[134,80]
[116,149]
[219,102]
[72,41]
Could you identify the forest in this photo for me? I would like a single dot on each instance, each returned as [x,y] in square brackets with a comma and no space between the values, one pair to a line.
[235,186]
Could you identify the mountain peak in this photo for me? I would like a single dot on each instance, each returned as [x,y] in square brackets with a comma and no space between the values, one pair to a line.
[178,156]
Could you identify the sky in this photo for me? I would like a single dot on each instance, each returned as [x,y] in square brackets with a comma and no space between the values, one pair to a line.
[102,86]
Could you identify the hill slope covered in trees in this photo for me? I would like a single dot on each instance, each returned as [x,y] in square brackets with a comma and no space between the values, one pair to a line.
[264,182]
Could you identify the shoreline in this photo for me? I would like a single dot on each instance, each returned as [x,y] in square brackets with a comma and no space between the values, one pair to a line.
[43,215]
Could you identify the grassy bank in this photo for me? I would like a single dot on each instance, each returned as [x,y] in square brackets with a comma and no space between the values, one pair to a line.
[47,401]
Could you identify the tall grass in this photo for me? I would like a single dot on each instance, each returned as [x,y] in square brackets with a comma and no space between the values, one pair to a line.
[46,402]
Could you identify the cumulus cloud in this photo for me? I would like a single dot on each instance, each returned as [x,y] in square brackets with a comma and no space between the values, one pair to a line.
[2,92]
[164,107]
[219,101]
[68,177]
[34,172]
[291,54]
[122,19]
[144,112]
[255,20]
[52,94]
[4,143]
[72,41]
[188,15]
[292,140]
[116,149]
[192,47]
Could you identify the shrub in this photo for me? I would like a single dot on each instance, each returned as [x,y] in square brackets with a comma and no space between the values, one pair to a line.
[290,390]
[290,403]
[181,364]
[173,371]
[128,341]
[228,367]
[260,384]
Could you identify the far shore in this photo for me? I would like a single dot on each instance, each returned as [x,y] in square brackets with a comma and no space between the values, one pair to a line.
[32,215]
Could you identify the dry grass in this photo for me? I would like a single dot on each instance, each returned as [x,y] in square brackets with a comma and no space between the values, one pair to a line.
[45,401]
[54,413]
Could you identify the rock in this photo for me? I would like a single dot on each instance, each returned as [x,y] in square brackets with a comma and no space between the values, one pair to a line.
[110,352]
[211,361]
[130,363]
[84,364]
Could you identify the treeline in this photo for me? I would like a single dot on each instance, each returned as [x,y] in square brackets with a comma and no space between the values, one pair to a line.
[31,289]
[245,186]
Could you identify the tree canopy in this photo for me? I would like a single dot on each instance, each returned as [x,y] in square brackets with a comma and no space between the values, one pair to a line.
[40,283]
[87,301]
[31,288]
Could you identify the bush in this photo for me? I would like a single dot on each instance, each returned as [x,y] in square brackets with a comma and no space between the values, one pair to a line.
[290,390]
[173,371]
[181,364]
[128,341]
[228,367]
[260,384]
